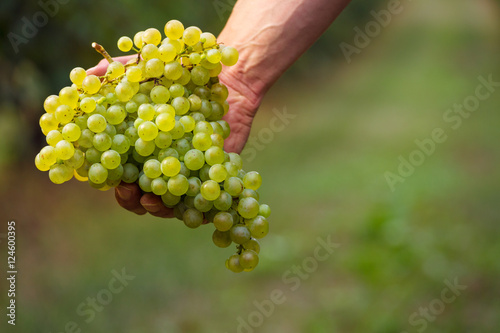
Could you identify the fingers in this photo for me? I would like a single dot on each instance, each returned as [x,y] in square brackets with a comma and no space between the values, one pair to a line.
[129,197]
[100,68]
[153,204]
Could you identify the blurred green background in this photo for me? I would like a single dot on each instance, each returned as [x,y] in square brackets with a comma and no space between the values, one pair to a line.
[324,176]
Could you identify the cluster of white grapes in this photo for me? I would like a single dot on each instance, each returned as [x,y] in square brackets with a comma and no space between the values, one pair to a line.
[157,121]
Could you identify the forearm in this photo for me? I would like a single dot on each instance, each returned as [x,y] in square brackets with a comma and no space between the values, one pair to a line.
[271,35]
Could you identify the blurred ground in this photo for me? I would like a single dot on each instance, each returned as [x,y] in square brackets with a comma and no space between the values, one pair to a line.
[398,251]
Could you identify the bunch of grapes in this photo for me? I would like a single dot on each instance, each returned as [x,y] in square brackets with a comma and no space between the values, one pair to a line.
[157,121]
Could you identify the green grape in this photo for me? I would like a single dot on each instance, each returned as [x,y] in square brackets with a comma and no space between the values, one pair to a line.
[202,141]
[77,75]
[191,35]
[48,122]
[146,112]
[120,143]
[88,105]
[151,36]
[115,114]
[96,123]
[170,200]
[185,76]
[69,96]
[188,122]
[184,170]
[53,137]
[48,155]
[51,103]
[233,186]
[218,173]
[145,183]
[195,58]
[114,70]
[147,131]
[134,74]
[192,218]
[176,90]
[172,70]
[239,234]
[124,91]
[202,204]
[229,56]
[223,221]
[214,155]
[182,146]
[60,173]
[194,102]
[152,168]
[64,150]
[225,128]
[163,139]
[167,52]
[253,245]
[264,210]
[115,174]
[149,51]
[258,226]
[206,108]
[210,190]
[125,44]
[181,105]
[197,116]
[130,173]
[217,111]
[154,68]
[194,186]
[159,186]
[144,148]
[221,239]
[249,259]
[131,134]
[208,39]
[170,166]
[213,55]
[248,207]
[165,108]
[91,85]
[178,131]
[110,159]
[214,72]
[178,185]
[98,173]
[160,95]
[81,121]
[232,170]
[203,173]
[64,114]
[194,159]
[233,264]
[138,39]
[252,180]
[200,75]
[224,201]
[174,29]
[76,161]
[93,155]
[163,153]
[102,141]
[236,159]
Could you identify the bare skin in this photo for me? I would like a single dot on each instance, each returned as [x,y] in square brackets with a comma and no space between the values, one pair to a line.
[270,36]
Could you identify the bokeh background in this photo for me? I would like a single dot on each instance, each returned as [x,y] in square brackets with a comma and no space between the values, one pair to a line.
[324,176]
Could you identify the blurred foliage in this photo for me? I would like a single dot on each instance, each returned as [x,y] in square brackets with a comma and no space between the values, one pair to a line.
[323,176]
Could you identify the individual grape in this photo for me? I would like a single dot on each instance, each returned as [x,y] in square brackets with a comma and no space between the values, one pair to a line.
[233,186]
[224,201]
[258,226]
[115,114]
[174,29]
[218,173]
[149,51]
[160,95]
[114,70]
[192,218]
[195,58]
[194,159]
[178,131]
[147,131]
[249,259]
[229,56]
[233,263]
[223,221]
[151,36]
[239,234]
[163,139]
[214,56]
[51,103]
[210,190]
[172,70]
[214,155]
[181,105]
[134,74]
[170,166]
[96,123]
[214,72]
[159,186]
[208,39]
[93,155]
[120,143]
[202,204]
[248,193]
[131,134]
[253,245]
[98,173]
[64,114]
[102,141]
[124,91]
[53,137]
[170,200]
[64,149]
[154,68]
[264,210]
[144,148]
[248,207]
[252,180]
[145,183]
[91,85]
[115,175]
[221,239]
[232,170]
[152,168]
[202,141]
[69,96]
[125,44]
[178,185]
[146,112]
[88,105]
[71,132]
[60,173]
[77,75]
[167,52]
[138,39]
[194,186]
[48,155]
[110,159]
[130,173]
[200,75]
[191,35]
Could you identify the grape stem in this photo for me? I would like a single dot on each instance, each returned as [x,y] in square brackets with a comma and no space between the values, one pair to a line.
[102,51]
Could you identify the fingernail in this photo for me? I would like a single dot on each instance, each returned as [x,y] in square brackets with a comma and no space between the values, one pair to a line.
[152,208]
[123,192]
